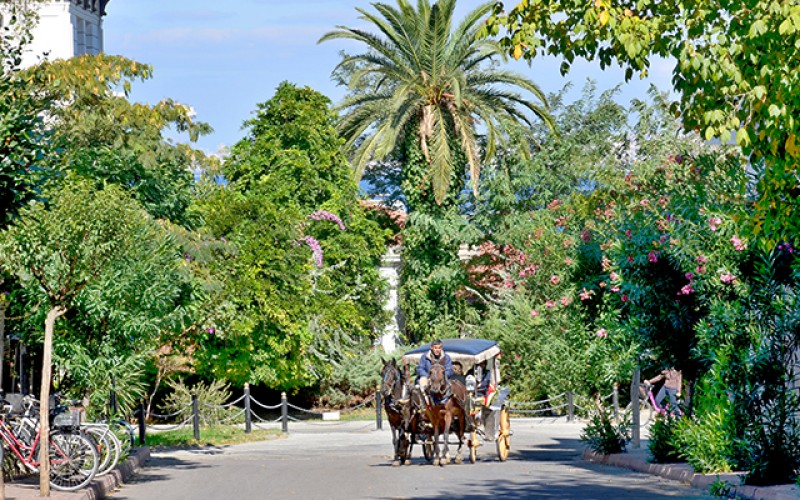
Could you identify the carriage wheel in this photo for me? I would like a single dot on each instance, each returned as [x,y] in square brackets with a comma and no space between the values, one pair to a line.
[504,435]
[473,447]
[427,450]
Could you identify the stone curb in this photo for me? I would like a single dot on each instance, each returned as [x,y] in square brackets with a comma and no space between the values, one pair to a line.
[684,473]
[101,487]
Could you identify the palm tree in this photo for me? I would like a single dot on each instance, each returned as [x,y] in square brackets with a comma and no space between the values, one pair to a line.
[421,76]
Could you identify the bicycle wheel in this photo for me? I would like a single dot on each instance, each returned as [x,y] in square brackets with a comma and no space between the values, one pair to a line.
[73,460]
[126,434]
[645,412]
[108,446]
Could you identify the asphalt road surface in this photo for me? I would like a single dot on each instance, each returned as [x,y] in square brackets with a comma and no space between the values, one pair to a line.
[351,460]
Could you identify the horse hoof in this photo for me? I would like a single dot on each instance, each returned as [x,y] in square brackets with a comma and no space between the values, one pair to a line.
[443,462]
[458,460]
[395,463]
[407,462]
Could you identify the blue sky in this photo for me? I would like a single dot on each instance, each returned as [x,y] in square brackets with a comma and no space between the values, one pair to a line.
[224,57]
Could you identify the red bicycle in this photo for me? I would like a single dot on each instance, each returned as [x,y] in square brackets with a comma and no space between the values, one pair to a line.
[73,458]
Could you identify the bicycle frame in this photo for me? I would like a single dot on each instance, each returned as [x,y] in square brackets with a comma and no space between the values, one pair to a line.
[662,411]
[17,447]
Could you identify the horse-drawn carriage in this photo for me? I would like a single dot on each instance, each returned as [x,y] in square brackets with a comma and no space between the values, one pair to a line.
[474,403]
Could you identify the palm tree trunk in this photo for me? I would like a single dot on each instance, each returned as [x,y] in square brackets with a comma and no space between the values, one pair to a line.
[44,400]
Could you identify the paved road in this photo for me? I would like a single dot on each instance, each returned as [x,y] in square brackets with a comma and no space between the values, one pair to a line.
[352,461]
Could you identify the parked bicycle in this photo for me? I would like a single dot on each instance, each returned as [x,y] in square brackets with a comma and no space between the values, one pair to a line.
[109,448]
[72,456]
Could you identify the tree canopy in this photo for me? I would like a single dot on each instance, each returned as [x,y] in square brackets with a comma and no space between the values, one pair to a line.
[425,75]
[734,70]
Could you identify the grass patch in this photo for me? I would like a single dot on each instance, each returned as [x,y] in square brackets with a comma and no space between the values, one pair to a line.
[210,436]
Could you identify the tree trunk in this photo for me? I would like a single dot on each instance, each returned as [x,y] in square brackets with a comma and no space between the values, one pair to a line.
[44,401]
[2,360]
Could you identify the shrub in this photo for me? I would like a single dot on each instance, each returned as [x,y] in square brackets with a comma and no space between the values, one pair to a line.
[209,396]
[664,441]
[705,442]
[603,435]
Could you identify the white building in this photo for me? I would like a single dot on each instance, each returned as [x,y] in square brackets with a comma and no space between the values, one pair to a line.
[66,28]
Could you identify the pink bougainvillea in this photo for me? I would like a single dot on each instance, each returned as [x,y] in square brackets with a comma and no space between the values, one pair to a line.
[602,333]
[652,256]
[714,223]
[727,278]
[738,244]
[325,215]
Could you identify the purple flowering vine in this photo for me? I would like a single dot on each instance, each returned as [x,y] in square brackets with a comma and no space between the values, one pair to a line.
[325,215]
[315,247]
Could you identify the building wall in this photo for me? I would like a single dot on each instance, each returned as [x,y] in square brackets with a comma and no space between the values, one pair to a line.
[66,28]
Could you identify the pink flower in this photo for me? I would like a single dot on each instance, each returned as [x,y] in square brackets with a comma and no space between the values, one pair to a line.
[568,261]
[630,259]
[614,276]
[568,242]
[686,290]
[702,259]
[325,215]
[727,278]
[652,256]
[738,244]
[602,333]
[714,222]
[561,221]
[586,235]
[521,273]
[550,304]
[606,263]
[628,233]
[700,269]
[534,313]
[586,294]
[624,297]
[554,204]
[689,276]
[565,301]
[316,249]
[615,289]
[555,280]
[644,203]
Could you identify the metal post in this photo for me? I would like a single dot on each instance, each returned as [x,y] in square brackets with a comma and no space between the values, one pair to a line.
[615,400]
[195,417]
[635,437]
[570,407]
[248,421]
[378,410]
[284,414]
[142,423]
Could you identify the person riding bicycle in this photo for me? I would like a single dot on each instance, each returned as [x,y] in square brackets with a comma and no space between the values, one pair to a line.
[435,354]
[673,380]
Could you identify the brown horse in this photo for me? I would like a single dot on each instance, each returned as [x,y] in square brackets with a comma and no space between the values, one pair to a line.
[445,412]
[392,391]
[415,424]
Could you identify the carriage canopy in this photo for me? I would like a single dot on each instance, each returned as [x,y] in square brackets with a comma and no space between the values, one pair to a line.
[467,351]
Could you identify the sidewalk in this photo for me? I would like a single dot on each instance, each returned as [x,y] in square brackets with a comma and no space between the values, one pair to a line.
[28,489]
[637,459]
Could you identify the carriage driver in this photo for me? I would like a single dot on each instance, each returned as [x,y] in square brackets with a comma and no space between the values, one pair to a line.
[436,354]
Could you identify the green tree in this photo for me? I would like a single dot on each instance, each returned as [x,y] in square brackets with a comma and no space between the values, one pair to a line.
[299,286]
[24,143]
[426,77]
[732,70]
[66,250]
[100,134]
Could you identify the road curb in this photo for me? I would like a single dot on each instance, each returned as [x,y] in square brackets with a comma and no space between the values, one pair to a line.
[684,473]
[101,487]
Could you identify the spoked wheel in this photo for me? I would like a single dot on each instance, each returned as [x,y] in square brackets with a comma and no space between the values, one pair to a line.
[427,450]
[504,435]
[473,447]
[73,461]
[645,412]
